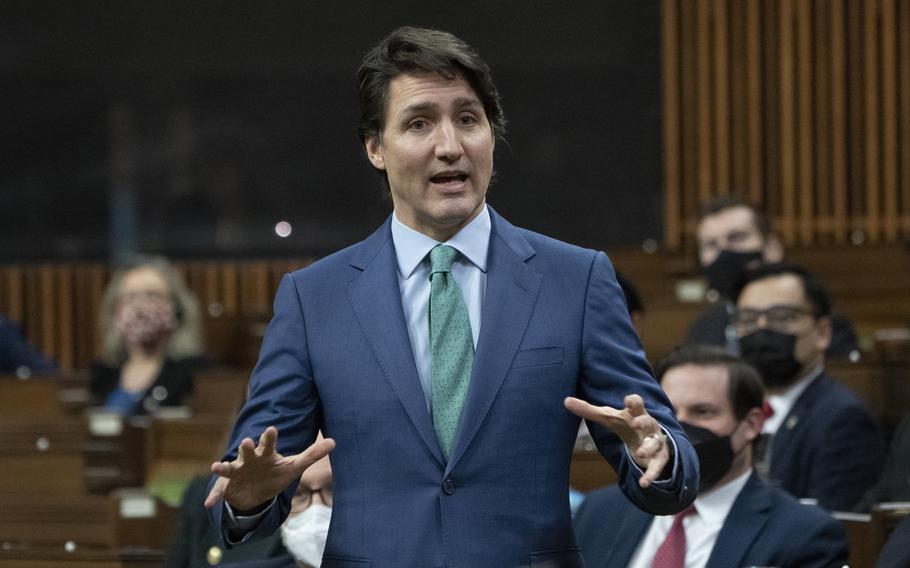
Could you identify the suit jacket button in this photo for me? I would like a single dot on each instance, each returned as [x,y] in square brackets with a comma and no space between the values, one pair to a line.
[448,486]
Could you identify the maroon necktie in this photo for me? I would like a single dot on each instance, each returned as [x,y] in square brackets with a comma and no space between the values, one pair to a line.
[672,553]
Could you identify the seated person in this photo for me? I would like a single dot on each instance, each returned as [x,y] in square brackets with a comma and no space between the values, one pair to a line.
[824,443]
[151,337]
[732,235]
[894,484]
[896,552]
[305,530]
[737,519]
[16,354]
[195,544]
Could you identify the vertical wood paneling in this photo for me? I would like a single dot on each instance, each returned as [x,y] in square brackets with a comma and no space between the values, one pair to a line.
[806,186]
[673,213]
[754,94]
[838,121]
[65,325]
[904,81]
[703,103]
[873,173]
[787,122]
[822,90]
[889,119]
[721,100]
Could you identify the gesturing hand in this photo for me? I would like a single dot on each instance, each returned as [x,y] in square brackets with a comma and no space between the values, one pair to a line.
[260,473]
[635,427]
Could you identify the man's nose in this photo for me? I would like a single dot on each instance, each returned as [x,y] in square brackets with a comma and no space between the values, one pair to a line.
[448,142]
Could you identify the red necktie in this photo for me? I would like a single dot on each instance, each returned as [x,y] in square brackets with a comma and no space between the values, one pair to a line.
[672,553]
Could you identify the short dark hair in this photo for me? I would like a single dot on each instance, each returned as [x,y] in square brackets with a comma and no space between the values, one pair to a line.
[745,387]
[725,202]
[419,50]
[813,288]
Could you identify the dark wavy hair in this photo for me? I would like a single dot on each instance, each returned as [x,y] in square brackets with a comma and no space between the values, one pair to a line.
[414,51]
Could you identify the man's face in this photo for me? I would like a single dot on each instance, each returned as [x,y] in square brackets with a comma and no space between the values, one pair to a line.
[786,292]
[732,229]
[437,150]
[700,396]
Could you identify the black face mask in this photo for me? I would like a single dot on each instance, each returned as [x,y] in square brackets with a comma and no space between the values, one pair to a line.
[715,454]
[771,352]
[723,273]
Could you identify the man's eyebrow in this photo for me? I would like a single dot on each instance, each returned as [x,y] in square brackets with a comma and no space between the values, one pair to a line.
[424,106]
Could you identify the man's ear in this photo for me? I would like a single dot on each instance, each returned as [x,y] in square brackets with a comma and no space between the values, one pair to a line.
[373,145]
[753,421]
[825,333]
[773,250]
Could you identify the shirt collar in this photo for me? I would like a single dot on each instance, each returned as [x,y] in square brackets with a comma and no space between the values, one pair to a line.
[782,403]
[713,506]
[472,241]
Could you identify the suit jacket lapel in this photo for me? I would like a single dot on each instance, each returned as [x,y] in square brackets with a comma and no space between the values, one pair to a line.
[747,518]
[632,529]
[512,288]
[785,433]
[376,299]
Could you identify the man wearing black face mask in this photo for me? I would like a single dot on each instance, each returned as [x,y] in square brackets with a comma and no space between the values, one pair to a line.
[734,235]
[738,520]
[824,444]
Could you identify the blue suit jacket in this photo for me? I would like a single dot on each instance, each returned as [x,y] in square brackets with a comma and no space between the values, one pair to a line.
[765,527]
[828,448]
[337,356]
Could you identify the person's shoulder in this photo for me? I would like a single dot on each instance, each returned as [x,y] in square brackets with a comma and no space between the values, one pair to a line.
[787,510]
[600,500]
[833,396]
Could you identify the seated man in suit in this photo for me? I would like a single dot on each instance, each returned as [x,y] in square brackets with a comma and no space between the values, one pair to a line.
[894,483]
[737,519]
[824,444]
[732,235]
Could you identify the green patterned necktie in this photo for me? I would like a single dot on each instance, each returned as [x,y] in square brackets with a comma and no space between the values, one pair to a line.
[451,346]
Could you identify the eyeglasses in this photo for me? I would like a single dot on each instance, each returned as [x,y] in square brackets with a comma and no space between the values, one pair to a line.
[777,318]
[305,497]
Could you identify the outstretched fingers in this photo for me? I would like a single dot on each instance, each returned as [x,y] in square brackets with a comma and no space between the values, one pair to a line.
[311,455]
[217,493]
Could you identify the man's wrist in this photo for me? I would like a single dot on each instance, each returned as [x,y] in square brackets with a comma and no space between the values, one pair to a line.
[253,511]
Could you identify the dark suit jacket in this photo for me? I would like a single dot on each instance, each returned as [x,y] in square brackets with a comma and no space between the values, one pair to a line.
[765,527]
[337,356]
[710,325]
[16,352]
[176,378]
[828,448]
[194,537]
[894,483]
[896,553]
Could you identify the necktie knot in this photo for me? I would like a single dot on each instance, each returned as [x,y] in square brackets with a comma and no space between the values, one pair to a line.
[441,259]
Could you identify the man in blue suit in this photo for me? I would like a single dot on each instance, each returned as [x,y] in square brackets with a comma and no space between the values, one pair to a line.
[738,520]
[824,443]
[447,357]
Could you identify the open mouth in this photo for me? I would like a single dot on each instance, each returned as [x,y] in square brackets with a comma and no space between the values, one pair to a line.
[449,179]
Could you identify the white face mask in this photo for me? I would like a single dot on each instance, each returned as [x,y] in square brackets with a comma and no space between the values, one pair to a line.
[304,534]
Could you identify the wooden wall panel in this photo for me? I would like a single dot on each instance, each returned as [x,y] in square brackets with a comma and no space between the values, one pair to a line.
[802,106]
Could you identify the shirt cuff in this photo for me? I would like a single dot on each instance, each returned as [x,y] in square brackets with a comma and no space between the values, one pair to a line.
[661,483]
[239,528]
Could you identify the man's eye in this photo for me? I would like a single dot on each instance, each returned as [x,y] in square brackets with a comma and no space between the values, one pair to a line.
[418,124]
[467,120]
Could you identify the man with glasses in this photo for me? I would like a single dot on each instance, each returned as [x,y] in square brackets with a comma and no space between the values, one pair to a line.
[824,444]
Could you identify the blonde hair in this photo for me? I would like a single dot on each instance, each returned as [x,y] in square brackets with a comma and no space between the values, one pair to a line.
[185,341]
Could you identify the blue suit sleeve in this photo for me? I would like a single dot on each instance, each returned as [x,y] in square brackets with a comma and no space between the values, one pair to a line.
[613,366]
[282,394]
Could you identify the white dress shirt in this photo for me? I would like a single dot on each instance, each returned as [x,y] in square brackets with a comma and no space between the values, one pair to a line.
[783,403]
[469,271]
[702,527]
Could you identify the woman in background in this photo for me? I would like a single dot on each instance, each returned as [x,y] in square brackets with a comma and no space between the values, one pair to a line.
[151,339]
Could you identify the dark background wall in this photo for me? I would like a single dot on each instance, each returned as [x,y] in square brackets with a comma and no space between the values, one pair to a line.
[192,128]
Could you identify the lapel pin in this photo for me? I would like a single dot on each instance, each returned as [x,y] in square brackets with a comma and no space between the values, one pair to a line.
[791,422]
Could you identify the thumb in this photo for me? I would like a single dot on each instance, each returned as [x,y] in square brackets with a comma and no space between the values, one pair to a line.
[314,453]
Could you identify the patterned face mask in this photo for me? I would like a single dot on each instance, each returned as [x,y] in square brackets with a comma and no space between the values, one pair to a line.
[145,319]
